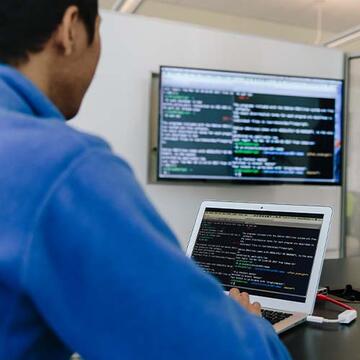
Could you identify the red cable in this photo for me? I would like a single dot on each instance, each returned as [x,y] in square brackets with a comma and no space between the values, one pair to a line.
[323,297]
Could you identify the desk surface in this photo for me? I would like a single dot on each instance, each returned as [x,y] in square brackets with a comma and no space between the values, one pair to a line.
[329,341]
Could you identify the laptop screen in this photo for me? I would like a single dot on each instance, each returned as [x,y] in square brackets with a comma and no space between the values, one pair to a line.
[264,253]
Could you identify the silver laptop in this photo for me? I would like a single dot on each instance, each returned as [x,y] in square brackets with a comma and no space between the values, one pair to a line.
[273,252]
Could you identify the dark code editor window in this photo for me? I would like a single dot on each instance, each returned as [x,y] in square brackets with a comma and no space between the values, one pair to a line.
[265,255]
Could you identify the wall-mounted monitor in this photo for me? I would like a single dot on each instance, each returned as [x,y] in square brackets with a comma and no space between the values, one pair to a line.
[248,127]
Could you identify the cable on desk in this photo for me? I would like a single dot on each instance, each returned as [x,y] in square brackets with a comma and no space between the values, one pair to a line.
[346,317]
[323,297]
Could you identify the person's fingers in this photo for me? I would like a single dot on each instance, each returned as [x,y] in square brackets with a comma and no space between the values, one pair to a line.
[240,297]
[243,299]
[256,308]
[257,305]
[234,292]
[236,295]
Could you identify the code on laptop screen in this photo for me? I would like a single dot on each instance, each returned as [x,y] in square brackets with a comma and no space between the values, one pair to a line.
[264,253]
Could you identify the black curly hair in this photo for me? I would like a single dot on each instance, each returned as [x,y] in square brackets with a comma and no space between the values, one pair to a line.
[26,25]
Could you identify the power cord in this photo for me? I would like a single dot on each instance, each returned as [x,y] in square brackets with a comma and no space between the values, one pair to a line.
[346,317]
[323,297]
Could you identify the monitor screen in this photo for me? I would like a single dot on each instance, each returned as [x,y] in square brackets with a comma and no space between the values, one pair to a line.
[244,127]
[264,253]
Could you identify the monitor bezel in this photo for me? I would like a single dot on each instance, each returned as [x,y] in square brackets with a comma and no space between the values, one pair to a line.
[240,181]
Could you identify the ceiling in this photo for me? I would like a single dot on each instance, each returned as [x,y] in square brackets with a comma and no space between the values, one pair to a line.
[339,15]
[107,4]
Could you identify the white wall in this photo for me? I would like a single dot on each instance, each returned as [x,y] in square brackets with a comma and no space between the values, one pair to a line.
[117,106]
[353,162]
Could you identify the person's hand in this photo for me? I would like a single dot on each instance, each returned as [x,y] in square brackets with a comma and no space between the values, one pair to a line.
[243,299]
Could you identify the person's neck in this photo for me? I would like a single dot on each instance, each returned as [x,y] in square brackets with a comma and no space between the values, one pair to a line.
[36,71]
[43,72]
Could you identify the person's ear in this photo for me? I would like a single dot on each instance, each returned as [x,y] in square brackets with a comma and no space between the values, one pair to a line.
[66,34]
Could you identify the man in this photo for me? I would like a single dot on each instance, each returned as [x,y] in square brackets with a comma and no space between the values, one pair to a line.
[86,263]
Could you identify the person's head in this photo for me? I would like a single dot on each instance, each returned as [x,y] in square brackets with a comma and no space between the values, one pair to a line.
[55,43]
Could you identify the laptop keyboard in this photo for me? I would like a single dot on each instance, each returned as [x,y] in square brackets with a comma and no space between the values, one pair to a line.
[274,316]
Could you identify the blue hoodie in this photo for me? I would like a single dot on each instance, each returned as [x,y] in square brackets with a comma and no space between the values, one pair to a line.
[87,264]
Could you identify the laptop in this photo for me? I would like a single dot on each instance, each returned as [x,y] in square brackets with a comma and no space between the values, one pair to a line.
[273,252]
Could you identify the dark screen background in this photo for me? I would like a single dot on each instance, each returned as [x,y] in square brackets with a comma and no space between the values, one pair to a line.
[240,136]
[264,260]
